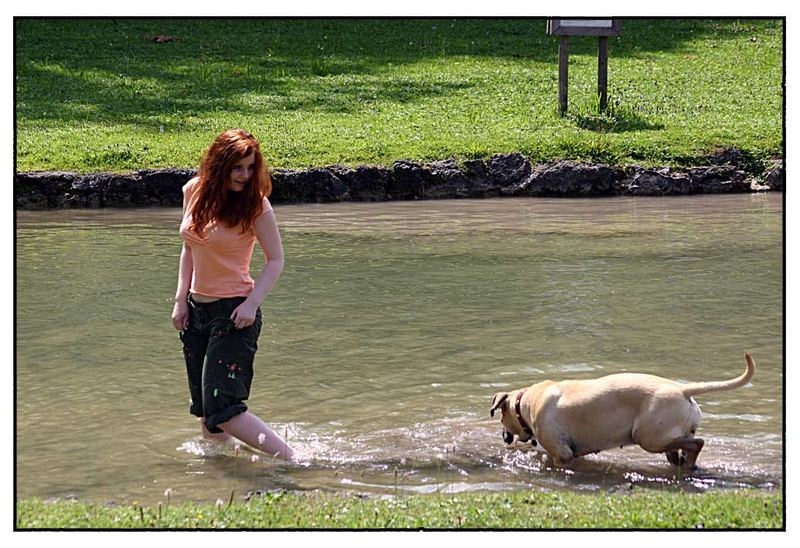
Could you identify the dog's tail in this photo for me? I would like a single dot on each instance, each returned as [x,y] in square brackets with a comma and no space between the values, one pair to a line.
[694,388]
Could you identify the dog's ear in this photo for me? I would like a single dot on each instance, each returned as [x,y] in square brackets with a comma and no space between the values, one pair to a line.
[498,400]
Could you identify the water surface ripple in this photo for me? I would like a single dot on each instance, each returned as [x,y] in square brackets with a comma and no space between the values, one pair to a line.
[390,330]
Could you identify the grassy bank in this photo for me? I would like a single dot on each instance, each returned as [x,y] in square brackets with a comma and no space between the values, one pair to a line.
[517,510]
[101,95]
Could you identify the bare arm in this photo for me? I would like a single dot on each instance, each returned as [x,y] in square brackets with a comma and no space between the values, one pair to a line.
[269,238]
[180,312]
[185,269]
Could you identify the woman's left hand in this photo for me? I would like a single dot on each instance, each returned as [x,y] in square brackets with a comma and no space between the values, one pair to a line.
[244,315]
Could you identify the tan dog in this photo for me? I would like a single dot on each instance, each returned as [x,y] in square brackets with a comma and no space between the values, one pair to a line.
[571,419]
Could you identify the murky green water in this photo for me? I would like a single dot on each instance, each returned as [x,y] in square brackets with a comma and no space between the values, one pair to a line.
[392,326]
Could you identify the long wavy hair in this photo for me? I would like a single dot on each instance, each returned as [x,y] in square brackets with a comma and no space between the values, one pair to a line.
[214,200]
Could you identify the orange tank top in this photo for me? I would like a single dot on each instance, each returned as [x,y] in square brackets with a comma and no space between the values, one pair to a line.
[221,256]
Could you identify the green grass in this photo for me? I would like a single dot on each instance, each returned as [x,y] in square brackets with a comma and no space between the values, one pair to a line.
[516,510]
[96,95]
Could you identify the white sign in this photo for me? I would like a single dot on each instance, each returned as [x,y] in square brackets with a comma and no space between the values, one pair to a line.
[602,23]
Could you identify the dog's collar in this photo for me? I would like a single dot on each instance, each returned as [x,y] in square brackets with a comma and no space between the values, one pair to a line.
[519,415]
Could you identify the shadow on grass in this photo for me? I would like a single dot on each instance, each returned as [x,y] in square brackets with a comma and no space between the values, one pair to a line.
[612,121]
[73,70]
[210,87]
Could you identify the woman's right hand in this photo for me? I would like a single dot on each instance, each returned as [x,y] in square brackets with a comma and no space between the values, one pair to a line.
[180,315]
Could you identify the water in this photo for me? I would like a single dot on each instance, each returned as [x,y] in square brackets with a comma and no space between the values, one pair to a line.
[390,330]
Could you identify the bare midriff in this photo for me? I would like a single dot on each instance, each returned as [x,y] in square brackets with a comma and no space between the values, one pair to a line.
[203,298]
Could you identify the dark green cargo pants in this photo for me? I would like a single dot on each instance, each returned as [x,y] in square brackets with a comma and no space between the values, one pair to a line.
[219,360]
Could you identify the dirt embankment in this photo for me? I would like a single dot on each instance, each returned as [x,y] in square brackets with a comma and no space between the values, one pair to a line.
[499,176]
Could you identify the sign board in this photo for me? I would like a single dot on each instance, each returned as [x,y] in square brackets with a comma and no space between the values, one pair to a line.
[584,27]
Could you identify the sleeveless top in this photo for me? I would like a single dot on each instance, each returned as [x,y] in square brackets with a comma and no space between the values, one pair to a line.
[221,256]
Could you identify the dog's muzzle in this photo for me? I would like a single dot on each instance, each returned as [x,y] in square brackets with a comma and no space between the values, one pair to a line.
[508,438]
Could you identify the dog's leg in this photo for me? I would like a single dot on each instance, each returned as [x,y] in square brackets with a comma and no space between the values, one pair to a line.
[559,461]
[690,448]
[562,454]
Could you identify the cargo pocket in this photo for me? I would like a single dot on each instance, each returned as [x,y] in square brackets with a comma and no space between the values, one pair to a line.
[251,333]
[234,380]
[238,389]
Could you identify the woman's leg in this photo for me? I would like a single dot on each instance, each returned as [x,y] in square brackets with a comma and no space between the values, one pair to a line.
[222,437]
[227,375]
[195,342]
[250,429]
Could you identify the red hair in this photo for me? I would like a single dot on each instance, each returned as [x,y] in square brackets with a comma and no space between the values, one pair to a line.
[214,201]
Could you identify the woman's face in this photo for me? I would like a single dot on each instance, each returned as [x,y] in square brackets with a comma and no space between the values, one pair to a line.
[242,172]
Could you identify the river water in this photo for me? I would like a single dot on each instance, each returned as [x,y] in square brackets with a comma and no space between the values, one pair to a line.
[389,331]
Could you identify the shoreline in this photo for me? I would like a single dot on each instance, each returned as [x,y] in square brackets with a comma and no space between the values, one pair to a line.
[501,175]
[633,507]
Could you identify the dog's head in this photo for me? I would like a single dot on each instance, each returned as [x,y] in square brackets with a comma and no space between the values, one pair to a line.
[511,426]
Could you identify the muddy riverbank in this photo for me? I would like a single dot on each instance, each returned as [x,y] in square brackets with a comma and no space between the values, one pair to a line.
[502,175]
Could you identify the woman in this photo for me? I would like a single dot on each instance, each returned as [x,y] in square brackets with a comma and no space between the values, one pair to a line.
[217,304]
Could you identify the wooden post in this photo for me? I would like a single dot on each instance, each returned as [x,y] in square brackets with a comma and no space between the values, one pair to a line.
[583,26]
[563,74]
[602,73]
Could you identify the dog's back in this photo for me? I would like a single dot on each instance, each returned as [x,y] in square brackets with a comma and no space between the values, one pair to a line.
[603,413]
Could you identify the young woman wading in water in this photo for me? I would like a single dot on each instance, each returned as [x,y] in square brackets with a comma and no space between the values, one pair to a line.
[217,304]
